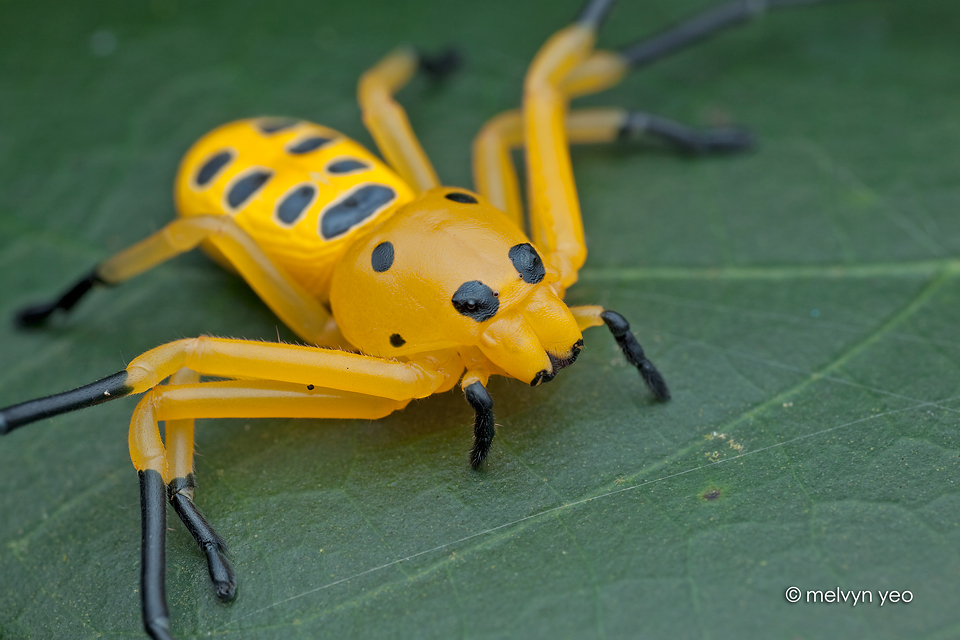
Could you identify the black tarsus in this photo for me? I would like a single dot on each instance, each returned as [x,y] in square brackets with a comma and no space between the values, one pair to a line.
[702,26]
[483,427]
[180,491]
[37,314]
[595,12]
[441,64]
[686,138]
[153,517]
[620,329]
[104,390]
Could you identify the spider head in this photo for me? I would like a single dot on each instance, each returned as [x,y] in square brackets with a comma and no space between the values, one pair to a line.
[450,271]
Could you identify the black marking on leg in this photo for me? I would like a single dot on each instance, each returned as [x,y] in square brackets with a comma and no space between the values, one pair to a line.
[35,315]
[476,300]
[463,198]
[108,388]
[153,518]
[294,204]
[308,144]
[347,165]
[348,212]
[382,257]
[270,126]
[702,26]
[595,12]
[246,187]
[180,492]
[397,340]
[685,138]
[620,329]
[214,166]
[527,262]
[442,64]
[483,427]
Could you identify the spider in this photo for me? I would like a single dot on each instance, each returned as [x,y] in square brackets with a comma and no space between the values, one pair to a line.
[399,287]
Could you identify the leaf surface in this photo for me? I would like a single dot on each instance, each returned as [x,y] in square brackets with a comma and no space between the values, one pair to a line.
[802,301]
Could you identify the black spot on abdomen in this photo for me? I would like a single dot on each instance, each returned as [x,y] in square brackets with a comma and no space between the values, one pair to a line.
[527,262]
[382,257]
[349,165]
[342,216]
[397,340]
[244,188]
[308,144]
[294,204]
[476,300]
[214,166]
[270,126]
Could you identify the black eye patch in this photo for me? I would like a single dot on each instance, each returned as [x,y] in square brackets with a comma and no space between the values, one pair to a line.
[382,257]
[527,263]
[476,300]
[465,198]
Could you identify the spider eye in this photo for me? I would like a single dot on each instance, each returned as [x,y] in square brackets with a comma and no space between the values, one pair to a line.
[527,263]
[475,300]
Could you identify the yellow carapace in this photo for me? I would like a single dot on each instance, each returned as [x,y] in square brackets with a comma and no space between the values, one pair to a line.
[398,287]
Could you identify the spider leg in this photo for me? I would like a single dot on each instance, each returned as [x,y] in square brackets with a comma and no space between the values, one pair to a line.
[594,316]
[288,300]
[178,437]
[387,121]
[153,518]
[227,358]
[555,216]
[702,26]
[495,176]
[162,473]
[474,385]
[555,221]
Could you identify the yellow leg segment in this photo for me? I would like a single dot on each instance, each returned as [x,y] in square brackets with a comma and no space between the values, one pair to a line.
[179,434]
[587,316]
[555,219]
[493,172]
[236,399]
[288,300]
[247,359]
[387,121]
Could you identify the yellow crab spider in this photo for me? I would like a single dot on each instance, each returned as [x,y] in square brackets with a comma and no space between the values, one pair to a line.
[401,287]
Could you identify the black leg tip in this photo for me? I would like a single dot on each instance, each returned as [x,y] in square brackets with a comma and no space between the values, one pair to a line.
[221,573]
[725,140]
[634,354]
[226,591]
[36,315]
[33,316]
[442,64]
[655,382]
[483,426]
[158,629]
[478,455]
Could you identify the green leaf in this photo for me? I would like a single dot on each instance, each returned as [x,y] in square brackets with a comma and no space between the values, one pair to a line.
[802,301]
